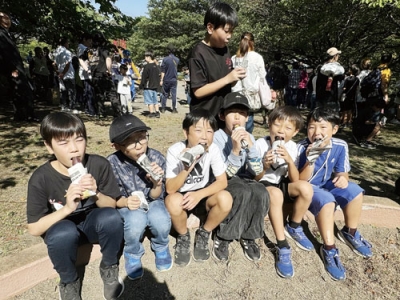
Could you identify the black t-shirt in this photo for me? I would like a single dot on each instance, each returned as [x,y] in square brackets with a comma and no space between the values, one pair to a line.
[47,188]
[208,65]
[150,77]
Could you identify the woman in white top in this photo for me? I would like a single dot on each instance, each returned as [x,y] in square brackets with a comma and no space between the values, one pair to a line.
[247,58]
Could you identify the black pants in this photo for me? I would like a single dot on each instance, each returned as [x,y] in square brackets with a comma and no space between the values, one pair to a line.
[104,90]
[250,206]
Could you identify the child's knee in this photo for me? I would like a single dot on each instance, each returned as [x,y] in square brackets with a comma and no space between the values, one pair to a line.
[173,203]
[275,196]
[224,200]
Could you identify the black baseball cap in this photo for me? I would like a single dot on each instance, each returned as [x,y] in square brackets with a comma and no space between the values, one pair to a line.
[235,98]
[123,126]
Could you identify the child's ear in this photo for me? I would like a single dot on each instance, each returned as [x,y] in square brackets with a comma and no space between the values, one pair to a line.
[210,28]
[116,146]
[221,116]
[185,133]
[335,129]
[295,133]
[49,148]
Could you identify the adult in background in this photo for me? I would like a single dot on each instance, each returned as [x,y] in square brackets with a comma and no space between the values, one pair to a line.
[104,87]
[247,58]
[347,106]
[278,77]
[329,76]
[40,74]
[12,68]
[169,79]
[293,85]
[66,74]
[85,73]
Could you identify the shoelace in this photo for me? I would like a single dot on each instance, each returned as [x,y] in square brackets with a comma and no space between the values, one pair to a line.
[202,240]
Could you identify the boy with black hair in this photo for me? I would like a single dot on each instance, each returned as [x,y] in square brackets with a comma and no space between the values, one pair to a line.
[210,65]
[190,187]
[150,82]
[281,179]
[245,222]
[142,202]
[324,162]
[59,211]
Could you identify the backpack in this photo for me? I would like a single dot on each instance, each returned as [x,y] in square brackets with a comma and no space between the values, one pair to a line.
[278,77]
[371,84]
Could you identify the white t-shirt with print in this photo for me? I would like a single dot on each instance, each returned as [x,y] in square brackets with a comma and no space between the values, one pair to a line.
[275,176]
[200,175]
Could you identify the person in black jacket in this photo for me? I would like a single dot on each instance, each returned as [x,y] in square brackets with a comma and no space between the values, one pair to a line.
[13,70]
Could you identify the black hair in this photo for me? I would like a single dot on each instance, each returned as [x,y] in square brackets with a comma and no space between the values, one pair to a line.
[37,50]
[60,125]
[325,114]
[195,116]
[149,53]
[75,63]
[99,39]
[386,58]
[86,36]
[123,67]
[289,113]
[355,70]
[219,14]
[63,41]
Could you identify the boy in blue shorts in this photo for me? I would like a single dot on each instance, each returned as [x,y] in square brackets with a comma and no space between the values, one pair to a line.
[279,174]
[324,162]
[66,215]
[210,64]
[130,138]
[191,188]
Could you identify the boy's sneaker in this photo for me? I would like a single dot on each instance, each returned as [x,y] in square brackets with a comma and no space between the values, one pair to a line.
[251,249]
[158,114]
[220,249]
[367,145]
[151,115]
[163,260]
[201,250]
[113,284]
[297,234]
[133,267]
[283,262]
[182,249]
[174,111]
[332,263]
[356,243]
[70,291]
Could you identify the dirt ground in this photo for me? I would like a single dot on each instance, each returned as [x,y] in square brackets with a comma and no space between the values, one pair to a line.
[376,278]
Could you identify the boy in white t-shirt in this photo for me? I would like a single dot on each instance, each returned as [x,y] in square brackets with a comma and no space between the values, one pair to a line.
[191,189]
[279,154]
[124,89]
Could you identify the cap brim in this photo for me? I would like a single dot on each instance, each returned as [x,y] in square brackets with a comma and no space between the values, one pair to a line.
[123,136]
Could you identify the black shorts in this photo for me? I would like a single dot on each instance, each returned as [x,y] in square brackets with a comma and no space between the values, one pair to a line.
[283,186]
[200,210]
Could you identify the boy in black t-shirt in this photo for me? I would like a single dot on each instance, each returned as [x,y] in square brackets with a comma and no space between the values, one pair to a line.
[67,214]
[210,65]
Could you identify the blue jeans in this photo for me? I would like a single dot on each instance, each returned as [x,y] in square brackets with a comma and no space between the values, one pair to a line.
[150,97]
[135,222]
[250,123]
[167,88]
[102,225]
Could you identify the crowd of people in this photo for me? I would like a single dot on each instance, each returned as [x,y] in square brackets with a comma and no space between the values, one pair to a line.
[219,171]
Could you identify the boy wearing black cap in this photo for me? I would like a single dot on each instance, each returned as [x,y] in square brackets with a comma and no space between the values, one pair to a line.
[142,201]
[245,221]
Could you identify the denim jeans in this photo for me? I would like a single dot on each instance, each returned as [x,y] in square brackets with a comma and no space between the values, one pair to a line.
[135,222]
[102,225]
[250,123]
[167,88]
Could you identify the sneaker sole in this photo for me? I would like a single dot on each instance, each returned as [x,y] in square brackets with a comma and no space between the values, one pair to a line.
[323,260]
[343,239]
[281,275]
[167,269]
[184,265]
[250,259]
[296,242]
[123,288]
[218,259]
[136,278]
[200,260]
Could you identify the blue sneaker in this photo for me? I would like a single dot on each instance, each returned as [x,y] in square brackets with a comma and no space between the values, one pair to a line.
[163,260]
[356,243]
[297,234]
[283,263]
[133,267]
[332,263]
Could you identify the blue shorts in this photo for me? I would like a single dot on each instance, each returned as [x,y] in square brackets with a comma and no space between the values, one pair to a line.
[150,97]
[329,193]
